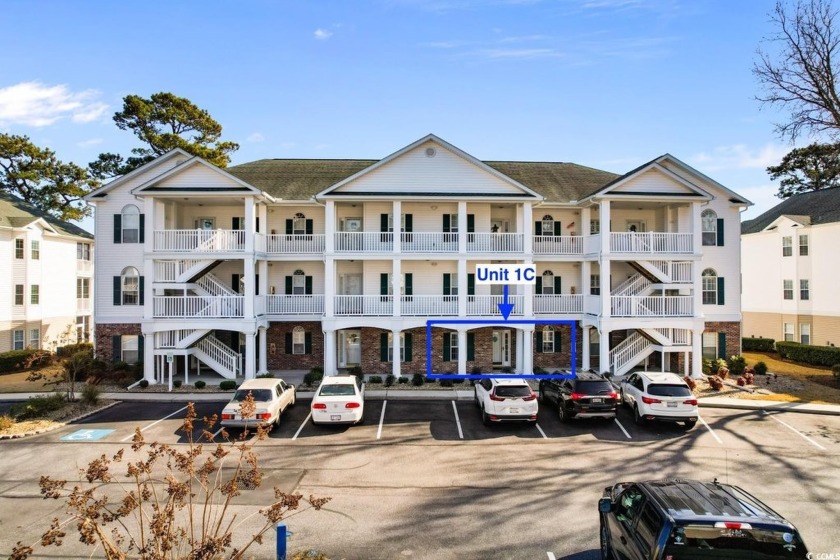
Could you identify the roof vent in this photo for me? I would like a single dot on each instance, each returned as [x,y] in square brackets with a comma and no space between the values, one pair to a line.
[430,152]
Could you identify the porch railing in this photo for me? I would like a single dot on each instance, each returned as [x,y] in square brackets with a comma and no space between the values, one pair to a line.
[652,306]
[557,304]
[433,306]
[650,242]
[364,305]
[364,241]
[426,242]
[199,240]
[495,242]
[489,305]
[198,306]
[294,244]
[558,245]
[312,304]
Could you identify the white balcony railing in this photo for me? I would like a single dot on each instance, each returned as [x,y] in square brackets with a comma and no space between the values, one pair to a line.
[651,306]
[290,244]
[294,304]
[84,267]
[483,306]
[592,305]
[198,306]
[364,305]
[425,242]
[414,306]
[199,241]
[364,241]
[592,244]
[651,242]
[557,304]
[495,242]
[558,245]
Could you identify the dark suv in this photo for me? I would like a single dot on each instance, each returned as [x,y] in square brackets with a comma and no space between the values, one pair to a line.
[688,520]
[588,395]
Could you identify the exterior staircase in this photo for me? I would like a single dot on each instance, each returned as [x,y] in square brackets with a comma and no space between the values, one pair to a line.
[219,357]
[644,342]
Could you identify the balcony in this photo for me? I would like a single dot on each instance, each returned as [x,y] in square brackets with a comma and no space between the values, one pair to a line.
[428,306]
[488,306]
[290,244]
[199,241]
[293,304]
[495,243]
[363,241]
[651,306]
[364,305]
[651,242]
[558,304]
[558,245]
[84,268]
[198,306]
[425,242]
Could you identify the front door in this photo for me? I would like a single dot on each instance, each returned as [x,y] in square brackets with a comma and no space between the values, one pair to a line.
[349,348]
[501,348]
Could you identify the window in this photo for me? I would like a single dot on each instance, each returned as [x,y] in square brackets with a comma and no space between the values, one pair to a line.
[35,338]
[710,350]
[803,245]
[35,294]
[594,227]
[805,333]
[547,283]
[787,246]
[710,287]
[709,223]
[547,226]
[453,223]
[629,505]
[129,348]
[788,332]
[391,346]
[35,250]
[453,284]
[595,284]
[299,283]
[82,288]
[83,251]
[130,225]
[18,248]
[787,289]
[804,290]
[17,340]
[548,340]
[130,286]
[299,224]
[83,328]
[298,340]
[453,346]
[18,294]
[391,222]
[648,526]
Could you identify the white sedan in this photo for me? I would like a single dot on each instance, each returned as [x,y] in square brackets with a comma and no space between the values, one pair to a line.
[339,400]
[271,398]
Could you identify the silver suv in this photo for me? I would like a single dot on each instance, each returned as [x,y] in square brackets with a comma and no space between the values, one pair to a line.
[505,400]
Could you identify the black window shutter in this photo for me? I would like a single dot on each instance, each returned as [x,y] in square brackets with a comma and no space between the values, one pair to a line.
[290,227]
[720,232]
[409,283]
[117,290]
[447,347]
[538,288]
[142,228]
[383,284]
[308,285]
[446,226]
[288,343]
[288,284]
[558,340]
[409,223]
[235,223]
[142,289]
[383,347]
[538,228]
[557,229]
[256,284]
[447,284]
[539,337]
[117,228]
[558,285]
[307,343]
[308,227]
[722,345]
[470,223]
[407,351]
[383,222]
[141,346]
[471,284]
[470,347]
[234,282]
[720,296]
[258,223]
[116,348]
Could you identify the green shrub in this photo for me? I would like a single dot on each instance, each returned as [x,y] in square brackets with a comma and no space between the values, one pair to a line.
[143,383]
[758,344]
[736,364]
[177,383]
[357,371]
[268,375]
[36,407]
[418,379]
[402,380]
[760,368]
[15,360]
[538,370]
[315,375]
[835,370]
[707,366]
[446,383]
[317,371]
[227,385]
[70,349]
[459,380]
[200,384]
[507,369]
[815,355]
[90,394]
[375,379]
[389,380]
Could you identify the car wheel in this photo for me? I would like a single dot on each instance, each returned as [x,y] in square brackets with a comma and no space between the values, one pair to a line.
[606,553]
[484,418]
[276,423]
[690,424]
[623,400]
[638,418]
[562,414]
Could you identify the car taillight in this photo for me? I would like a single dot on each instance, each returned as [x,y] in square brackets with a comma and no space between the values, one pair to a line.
[319,406]
[530,397]
[692,402]
[227,416]
[649,400]
[263,416]
[493,397]
[352,405]
[732,525]
[577,396]
[612,395]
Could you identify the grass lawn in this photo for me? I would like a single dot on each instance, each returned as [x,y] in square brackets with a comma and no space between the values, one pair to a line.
[17,383]
[810,383]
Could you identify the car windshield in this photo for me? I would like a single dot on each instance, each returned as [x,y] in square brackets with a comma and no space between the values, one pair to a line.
[705,541]
[669,390]
[260,395]
[513,391]
[337,390]
[593,387]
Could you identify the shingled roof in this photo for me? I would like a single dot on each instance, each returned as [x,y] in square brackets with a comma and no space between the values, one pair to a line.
[822,206]
[16,213]
[301,179]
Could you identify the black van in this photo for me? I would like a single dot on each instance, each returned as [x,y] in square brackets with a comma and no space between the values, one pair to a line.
[692,520]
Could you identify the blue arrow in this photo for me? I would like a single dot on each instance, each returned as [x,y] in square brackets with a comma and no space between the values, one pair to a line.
[505,307]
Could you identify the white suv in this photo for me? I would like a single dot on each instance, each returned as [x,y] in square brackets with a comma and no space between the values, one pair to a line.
[503,400]
[659,396]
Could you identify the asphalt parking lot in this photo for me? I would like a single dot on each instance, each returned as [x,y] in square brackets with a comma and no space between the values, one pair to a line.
[427,479]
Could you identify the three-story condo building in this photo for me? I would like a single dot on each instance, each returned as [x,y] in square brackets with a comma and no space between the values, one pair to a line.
[291,264]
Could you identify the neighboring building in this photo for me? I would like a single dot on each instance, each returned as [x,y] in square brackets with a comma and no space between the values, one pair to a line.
[789,270]
[46,279]
[290,264]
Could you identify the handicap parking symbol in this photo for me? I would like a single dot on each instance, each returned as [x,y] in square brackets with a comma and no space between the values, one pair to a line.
[86,435]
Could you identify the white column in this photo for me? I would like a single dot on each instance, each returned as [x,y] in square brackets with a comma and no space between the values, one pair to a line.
[528,228]
[462,226]
[396,280]
[250,356]
[329,227]
[250,224]
[396,214]
[604,351]
[606,296]
[262,270]
[250,284]
[696,354]
[696,268]
[329,353]
[462,351]
[585,274]
[462,287]
[149,357]
[329,287]
[262,216]
[528,350]
[397,354]
[585,350]
[148,288]
[697,227]
[263,368]
[527,295]
[585,220]
[520,350]
[604,217]
[186,370]
[685,364]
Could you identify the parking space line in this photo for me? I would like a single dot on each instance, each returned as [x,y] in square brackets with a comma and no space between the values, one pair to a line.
[154,423]
[305,420]
[217,433]
[551,556]
[622,429]
[457,421]
[381,419]
[794,430]
[711,431]
[541,431]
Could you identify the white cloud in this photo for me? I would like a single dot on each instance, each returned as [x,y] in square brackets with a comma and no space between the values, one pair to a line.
[255,137]
[36,104]
[322,34]
[88,143]
[739,156]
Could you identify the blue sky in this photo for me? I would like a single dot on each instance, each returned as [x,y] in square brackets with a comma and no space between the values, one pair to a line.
[605,83]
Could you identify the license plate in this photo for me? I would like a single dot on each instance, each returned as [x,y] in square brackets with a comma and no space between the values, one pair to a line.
[672,404]
[598,400]
[335,417]
[513,410]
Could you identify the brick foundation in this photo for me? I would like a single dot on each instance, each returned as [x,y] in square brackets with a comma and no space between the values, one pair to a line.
[733,335]
[279,359]
[103,341]
[561,358]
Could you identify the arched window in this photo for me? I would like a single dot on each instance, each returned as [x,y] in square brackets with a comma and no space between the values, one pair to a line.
[299,282]
[548,283]
[130,220]
[299,224]
[298,340]
[547,225]
[548,340]
[710,295]
[708,220]
[130,286]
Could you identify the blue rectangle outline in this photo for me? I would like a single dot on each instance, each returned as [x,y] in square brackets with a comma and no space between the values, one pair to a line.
[435,376]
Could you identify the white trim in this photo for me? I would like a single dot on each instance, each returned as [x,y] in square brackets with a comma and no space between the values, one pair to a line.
[128,176]
[651,166]
[688,169]
[190,164]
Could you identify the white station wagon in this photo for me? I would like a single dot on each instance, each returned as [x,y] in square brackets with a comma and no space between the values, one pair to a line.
[271,396]
[339,400]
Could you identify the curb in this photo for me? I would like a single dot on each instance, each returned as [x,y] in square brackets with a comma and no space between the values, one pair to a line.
[59,425]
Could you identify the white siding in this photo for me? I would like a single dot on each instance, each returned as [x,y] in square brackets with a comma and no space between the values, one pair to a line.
[278,214]
[651,182]
[278,272]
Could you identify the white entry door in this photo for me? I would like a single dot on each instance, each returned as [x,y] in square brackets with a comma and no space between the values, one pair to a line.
[349,348]
[501,348]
